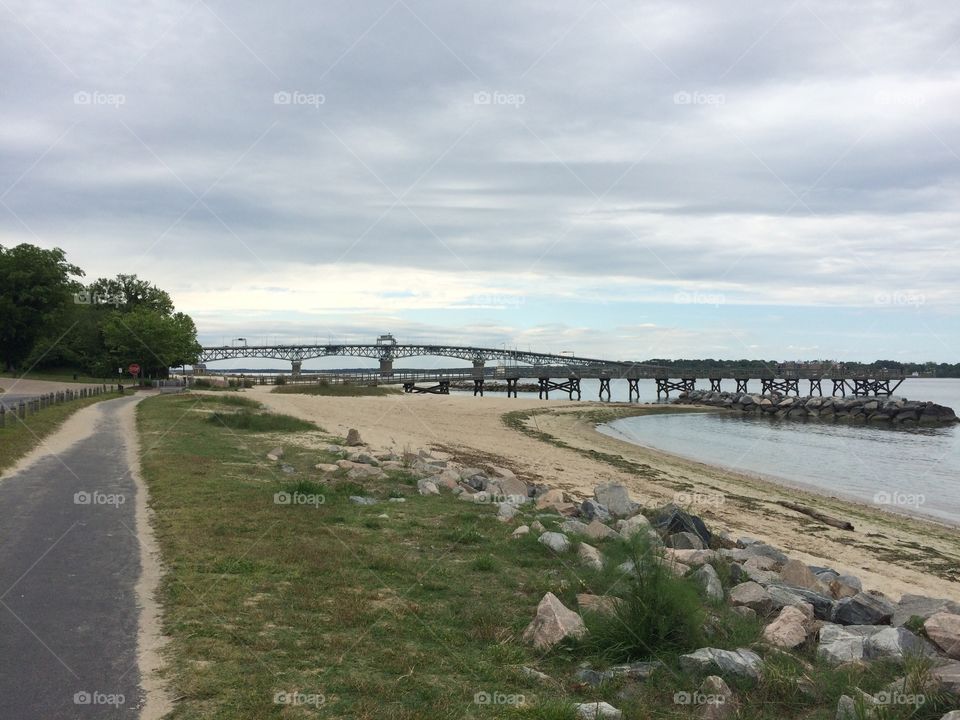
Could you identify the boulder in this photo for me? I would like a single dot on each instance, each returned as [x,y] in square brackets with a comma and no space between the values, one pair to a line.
[897,643]
[275,454]
[590,556]
[508,489]
[596,530]
[353,438]
[860,708]
[719,700]
[364,458]
[427,487]
[552,624]
[359,500]
[592,510]
[760,562]
[616,499]
[922,607]
[944,630]
[790,628]
[361,472]
[745,612]
[694,558]
[842,644]
[549,499]
[326,467]
[797,574]
[684,541]
[537,526]
[600,604]
[823,607]
[555,541]
[753,596]
[864,608]
[506,512]
[947,677]
[740,662]
[672,519]
[597,711]
[844,586]
[708,579]
[633,525]
[573,527]
[520,531]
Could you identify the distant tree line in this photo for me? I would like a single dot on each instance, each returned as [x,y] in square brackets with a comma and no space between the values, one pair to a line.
[49,318]
[704,366]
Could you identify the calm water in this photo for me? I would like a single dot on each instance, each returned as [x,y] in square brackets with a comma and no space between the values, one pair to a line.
[917,469]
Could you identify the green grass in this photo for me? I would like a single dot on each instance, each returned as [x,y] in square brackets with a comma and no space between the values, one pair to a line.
[408,616]
[63,375]
[17,437]
[260,422]
[337,390]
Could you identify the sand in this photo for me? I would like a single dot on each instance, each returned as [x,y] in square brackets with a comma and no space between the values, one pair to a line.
[889,552]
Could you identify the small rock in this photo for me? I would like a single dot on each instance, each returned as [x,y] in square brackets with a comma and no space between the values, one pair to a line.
[287,469]
[944,630]
[848,707]
[397,500]
[590,556]
[797,574]
[672,520]
[549,499]
[427,487]
[633,525]
[326,467]
[745,612]
[684,541]
[536,675]
[742,662]
[596,711]
[720,702]
[275,454]
[358,500]
[552,624]
[592,510]
[537,526]
[521,531]
[789,629]
[709,581]
[573,527]
[353,438]
[506,512]
[753,595]
[596,530]
[843,644]
[557,542]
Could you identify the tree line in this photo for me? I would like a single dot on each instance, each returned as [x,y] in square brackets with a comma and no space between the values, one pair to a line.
[50,318]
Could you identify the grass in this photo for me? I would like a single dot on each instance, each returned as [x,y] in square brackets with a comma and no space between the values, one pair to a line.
[62,375]
[17,438]
[260,422]
[411,615]
[336,390]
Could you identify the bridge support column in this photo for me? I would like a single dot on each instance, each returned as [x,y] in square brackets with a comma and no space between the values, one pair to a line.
[512,386]
[815,385]
[633,386]
[297,366]
[478,387]
[604,387]
[386,367]
[715,384]
[839,388]
[742,384]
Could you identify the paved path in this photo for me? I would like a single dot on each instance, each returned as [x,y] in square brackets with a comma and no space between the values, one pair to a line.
[69,564]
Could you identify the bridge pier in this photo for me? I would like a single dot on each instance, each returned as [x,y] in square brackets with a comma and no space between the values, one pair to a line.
[604,387]
[742,384]
[386,367]
[633,386]
[571,386]
[839,386]
[780,385]
[478,387]
[715,384]
[815,385]
[297,365]
[512,386]
[665,385]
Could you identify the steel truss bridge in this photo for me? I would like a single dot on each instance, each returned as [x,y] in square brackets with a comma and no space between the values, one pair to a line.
[553,372]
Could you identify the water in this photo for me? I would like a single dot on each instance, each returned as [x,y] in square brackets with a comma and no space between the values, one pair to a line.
[910,470]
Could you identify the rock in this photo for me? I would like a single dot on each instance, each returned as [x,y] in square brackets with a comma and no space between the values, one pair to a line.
[842,644]
[600,604]
[333,449]
[427,487]
[944,630]
[506,512]
[672,519]
[849,708]
[534,674]
[708,579]
[823,607]
[719,701]
[947,677]
[287,469]
[326,467]
[592,510]
[753,595]
[922,607]
[552,624]
[864,608]
[398,500]
[790,628]
[358,500]
[361,472]
[537,526]
[633,525]
[760,562]
[597,710]
[590,556]
[684,541]
[555,541]
[616,499]
[952,715]
[447,479]
[353,438]
[797,574]
[755,548]
[897,643]
[745,612]
[275,454]
[844,586]
[694,558]
[365,459]
[741,662]
[521,531]
[596,530]
[549,499]
[508,489]
[573,527]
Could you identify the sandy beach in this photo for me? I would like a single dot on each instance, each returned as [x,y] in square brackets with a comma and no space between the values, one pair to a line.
[892,553]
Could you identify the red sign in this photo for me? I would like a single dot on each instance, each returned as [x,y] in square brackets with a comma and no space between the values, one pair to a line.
[134,369]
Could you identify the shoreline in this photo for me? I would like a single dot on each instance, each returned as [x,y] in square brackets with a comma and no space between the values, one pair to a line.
[559,446]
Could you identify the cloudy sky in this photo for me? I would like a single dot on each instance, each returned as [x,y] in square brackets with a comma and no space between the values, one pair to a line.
[616,178]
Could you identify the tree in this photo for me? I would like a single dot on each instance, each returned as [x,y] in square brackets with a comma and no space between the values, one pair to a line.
[150,338]
[128,292]
[35,289]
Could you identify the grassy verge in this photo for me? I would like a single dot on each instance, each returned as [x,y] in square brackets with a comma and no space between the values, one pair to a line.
[60,375]
[337,390]
[278,588]
[18,438]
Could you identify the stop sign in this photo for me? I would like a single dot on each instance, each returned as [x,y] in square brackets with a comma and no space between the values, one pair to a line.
[134,369]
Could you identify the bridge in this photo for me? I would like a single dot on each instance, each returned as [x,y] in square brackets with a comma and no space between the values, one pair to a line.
[561,372]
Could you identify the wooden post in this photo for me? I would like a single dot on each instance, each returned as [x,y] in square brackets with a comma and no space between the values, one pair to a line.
[605,387]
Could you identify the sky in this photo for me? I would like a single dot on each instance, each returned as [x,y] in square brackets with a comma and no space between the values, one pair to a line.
[619,179]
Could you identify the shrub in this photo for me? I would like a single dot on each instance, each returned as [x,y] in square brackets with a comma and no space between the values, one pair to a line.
[261,422]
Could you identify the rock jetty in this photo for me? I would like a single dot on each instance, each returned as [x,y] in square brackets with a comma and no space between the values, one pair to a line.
[892,411]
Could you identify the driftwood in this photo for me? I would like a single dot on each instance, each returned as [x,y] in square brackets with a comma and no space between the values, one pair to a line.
[816,515]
